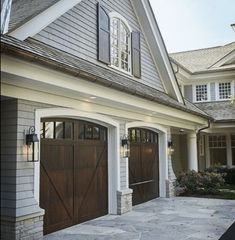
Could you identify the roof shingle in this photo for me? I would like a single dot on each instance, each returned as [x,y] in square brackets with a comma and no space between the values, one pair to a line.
[67,62]
[202,59]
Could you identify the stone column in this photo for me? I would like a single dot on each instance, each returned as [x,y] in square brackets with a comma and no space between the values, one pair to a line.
[192,151]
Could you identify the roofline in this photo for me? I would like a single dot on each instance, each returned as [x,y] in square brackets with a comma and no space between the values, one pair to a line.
[27,52]
[200,49]
[219,60]
[224,121]
[157,48]
[43,19]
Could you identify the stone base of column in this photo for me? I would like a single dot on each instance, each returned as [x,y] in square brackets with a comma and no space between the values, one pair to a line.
[170,188]
[124,201]
[22,228]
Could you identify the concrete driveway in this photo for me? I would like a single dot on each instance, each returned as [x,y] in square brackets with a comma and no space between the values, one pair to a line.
[160,219]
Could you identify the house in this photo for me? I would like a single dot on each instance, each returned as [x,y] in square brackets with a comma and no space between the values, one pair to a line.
[207,79]
[89,83]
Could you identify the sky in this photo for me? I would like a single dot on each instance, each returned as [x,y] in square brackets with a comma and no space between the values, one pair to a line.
[194,24]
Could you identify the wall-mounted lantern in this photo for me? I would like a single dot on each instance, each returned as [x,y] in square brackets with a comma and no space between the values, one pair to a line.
[170,148]
[125,147]
[32,143]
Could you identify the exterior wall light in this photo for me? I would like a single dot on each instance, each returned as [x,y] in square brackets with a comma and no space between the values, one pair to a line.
[170,148]
[32,143]
[125,147]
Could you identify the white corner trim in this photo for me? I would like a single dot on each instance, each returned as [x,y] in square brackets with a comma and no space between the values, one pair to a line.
[43,19]
[156,46]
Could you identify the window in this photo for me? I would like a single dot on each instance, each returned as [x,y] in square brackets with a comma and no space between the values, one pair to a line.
[120,44]
[117,45]
[138,135]
[56,130]
[201,93]
[218,150]
[224,90]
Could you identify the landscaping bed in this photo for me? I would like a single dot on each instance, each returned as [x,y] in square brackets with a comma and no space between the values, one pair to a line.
[207,184]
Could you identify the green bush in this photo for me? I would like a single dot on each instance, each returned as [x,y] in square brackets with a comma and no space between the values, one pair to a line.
[200,182]
[227,173]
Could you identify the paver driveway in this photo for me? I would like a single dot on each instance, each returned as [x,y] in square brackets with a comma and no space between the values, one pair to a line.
[160,219]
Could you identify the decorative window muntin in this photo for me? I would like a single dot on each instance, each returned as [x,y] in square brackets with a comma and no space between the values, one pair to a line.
[120,44]
[217,141]
[224,90]
[201,93]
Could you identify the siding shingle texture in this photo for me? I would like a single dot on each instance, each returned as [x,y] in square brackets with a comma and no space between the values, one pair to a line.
[24,10]
[76,66]
[202,59]
[220,111]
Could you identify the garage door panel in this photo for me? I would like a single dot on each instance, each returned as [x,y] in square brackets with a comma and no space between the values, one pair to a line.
[74,175]
[143,165]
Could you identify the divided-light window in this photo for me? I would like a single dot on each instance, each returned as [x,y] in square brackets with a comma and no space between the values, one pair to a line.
[201,93]
[225,90]
[120,45]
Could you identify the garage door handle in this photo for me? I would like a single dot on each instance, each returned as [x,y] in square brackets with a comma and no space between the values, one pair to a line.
[138,183]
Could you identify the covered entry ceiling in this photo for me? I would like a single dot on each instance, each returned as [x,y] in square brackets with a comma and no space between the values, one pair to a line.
[73,172]
[143,165]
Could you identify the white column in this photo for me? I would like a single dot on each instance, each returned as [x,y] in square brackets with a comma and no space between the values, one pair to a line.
[192,151]
[171,173]
[229,150]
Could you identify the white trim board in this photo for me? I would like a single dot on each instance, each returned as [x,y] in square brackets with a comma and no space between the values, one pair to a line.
[43,19]
[163,156]
[113,148]
[157,48]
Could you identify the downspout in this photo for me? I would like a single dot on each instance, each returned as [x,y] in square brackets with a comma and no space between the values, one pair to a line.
[198,138]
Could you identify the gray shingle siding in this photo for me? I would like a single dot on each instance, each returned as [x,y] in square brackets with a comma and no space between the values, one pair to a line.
[8,155]
[188,92]
[17,175]
[212,92]
[75,33]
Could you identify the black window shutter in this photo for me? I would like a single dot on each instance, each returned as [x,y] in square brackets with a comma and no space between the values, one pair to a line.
[136,58]
[103,32]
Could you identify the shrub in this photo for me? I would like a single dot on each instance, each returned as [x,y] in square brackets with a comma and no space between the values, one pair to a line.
[227,173]
[200,182]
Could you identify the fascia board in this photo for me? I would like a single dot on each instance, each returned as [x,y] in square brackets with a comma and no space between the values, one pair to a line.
[157,48]
[230,57]
[41,75]
[43,19]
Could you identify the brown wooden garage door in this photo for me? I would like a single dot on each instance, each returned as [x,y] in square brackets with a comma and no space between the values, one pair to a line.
[143,165]
[73,172]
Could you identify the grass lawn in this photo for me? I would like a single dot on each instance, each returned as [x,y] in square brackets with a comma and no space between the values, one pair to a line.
[226,192]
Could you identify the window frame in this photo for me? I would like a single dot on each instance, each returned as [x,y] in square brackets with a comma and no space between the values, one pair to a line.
[121,18]
[217,95]
[195,93]
[218,147]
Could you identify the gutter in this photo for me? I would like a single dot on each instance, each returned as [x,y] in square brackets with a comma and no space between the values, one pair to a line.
[198,138]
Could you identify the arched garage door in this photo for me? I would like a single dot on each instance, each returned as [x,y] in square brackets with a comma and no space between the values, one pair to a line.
[143,165]
[73,172]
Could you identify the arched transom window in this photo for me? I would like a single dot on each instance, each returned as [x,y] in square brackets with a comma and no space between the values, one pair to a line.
[120,44]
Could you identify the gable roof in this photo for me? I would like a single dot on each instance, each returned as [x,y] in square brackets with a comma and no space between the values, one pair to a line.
[202,59]
[24,10]
[75,66]
[43,13]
